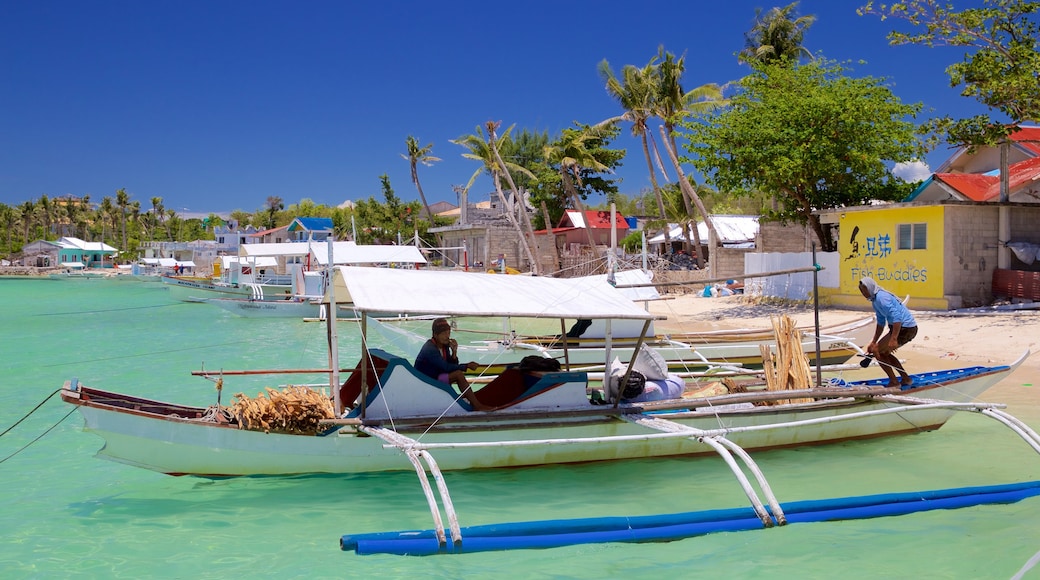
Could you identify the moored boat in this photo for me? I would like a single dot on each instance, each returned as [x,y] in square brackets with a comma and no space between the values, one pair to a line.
[385,407]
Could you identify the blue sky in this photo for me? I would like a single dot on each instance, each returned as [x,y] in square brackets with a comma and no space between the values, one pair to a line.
[216,105]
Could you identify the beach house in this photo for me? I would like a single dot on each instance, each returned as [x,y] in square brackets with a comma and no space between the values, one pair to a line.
[960,239]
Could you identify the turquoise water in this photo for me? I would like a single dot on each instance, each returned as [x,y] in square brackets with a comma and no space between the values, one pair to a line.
[64,513]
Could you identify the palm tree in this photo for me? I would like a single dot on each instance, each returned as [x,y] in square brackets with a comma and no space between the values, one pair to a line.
[635,92]
[28,210]
[46,214]
[480,149]
[274,205]
[572,154]
[775,36]
[670,104]
[122,201]
[415,156]
[159,214]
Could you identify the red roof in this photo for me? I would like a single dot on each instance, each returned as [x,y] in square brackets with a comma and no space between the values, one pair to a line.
[1031,136]
[596,219]
[981,187]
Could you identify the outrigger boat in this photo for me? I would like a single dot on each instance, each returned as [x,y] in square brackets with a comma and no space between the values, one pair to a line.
[389,417]
[384,396]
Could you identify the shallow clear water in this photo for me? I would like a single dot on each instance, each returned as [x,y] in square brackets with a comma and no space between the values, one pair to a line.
[64,513]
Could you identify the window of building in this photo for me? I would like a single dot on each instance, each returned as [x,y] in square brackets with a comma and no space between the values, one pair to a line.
[912,236]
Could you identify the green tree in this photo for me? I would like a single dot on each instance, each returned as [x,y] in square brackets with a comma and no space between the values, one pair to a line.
[578,155]
[1002,73]
[810,135]
[415,156]
[776,36]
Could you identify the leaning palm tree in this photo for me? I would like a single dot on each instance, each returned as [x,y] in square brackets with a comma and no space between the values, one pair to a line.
[670,105]
[572,154]
[415,156]
[480,149]
[776,35]
[635,92]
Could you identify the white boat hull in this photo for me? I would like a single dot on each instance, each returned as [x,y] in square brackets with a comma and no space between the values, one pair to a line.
[143,437]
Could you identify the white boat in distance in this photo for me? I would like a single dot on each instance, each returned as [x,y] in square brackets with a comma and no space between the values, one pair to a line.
[388,415]
[252,274]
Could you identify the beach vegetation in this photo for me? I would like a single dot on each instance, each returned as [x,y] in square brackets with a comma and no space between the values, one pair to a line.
[1001,69]
[810,135]
[484,146]
[777,36]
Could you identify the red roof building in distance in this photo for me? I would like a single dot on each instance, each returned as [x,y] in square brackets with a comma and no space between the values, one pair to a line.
[573,224]
[975,175]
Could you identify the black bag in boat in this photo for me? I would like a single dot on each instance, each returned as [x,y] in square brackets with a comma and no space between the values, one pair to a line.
[539,363]
[635,386]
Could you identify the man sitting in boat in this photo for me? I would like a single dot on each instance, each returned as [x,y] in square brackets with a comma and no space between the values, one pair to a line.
[438,359]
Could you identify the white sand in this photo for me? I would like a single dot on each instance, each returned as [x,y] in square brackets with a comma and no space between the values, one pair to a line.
[943,341]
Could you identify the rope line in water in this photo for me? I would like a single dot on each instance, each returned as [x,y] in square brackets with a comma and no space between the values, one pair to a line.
[40,436]
[109,310]
[150,354]
[30,412]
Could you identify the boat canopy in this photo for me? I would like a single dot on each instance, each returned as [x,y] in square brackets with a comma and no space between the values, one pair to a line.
[452,293]
[73,265]
[352,253]
[632,278]
[258,262]
[167,262]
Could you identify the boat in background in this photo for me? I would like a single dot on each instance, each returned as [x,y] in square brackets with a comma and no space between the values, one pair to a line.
[254,273]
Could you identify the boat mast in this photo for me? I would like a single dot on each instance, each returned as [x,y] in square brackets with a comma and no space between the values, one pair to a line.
[330,326]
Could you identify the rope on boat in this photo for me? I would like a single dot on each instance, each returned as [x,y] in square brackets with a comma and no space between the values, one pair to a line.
[40,436]
[47,398]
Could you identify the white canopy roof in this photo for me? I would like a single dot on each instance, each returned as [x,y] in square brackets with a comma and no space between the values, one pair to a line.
[167,262]
[73,265]
[454,293]
[632,277]
[259,261]
[352,253]
[280,249]
[732,230]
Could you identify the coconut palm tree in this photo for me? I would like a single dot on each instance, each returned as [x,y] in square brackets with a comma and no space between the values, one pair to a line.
[635,92]
[122,201]
[416,155]
[480,149]
[572,154]
[28,212]
[159,215]
[670,105]
[776,35]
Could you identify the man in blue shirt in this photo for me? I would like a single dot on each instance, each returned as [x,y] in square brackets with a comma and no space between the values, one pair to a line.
[902,328]
[438,359]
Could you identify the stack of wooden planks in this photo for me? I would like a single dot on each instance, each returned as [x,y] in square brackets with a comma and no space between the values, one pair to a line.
[788,368]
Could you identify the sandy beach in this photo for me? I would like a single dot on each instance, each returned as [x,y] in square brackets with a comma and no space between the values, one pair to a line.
[943,341]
